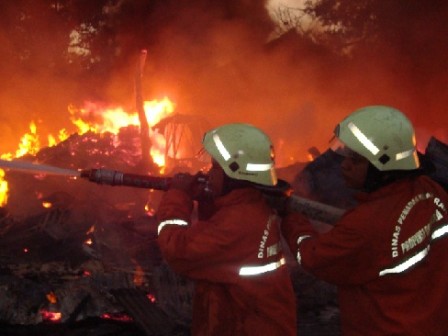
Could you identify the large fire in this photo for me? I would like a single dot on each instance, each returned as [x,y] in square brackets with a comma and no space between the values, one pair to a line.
[93,117]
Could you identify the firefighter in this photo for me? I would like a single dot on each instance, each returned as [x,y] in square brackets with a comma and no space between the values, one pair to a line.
[242,284]
[388,255]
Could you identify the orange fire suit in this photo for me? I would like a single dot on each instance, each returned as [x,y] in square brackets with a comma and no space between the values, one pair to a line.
[242,285]
[388,257]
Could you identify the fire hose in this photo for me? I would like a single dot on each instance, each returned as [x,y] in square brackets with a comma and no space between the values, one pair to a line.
[312,209]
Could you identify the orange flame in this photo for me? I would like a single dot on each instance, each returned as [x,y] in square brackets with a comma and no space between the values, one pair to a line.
[47,205]
[3,188]
[98,119]
[111,119]
[51,297]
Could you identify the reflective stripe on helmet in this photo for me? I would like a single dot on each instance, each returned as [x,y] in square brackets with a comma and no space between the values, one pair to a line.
[221,148]
[226,156]
[256,270]
[404,155]
[180,222]
[259,166]
[408,263]
[363,139]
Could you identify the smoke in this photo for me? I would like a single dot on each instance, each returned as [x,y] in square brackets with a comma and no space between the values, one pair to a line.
[225,69]
[214,59]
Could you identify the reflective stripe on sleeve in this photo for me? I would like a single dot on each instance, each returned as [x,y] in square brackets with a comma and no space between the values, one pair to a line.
[171,222]
[407,263]
[441,231]
[299,240]
[256,270]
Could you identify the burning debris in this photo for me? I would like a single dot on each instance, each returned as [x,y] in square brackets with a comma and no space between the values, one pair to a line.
[72,250]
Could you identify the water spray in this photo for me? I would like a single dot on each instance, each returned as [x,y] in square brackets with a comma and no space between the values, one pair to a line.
[37,168]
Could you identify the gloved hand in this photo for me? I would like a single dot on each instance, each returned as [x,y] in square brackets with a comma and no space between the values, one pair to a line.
[183,181]
[281,204]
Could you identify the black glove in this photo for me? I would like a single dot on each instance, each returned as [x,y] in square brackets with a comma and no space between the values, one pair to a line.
[280,204]
[193,185]
[183,181]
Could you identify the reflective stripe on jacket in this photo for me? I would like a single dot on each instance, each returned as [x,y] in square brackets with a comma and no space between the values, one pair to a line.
[242,285]
[389,258]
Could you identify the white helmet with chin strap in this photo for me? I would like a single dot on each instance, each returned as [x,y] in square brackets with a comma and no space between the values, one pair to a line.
[381,134]
[243,151]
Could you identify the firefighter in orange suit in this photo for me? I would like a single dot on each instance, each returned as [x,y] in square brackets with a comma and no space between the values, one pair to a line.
[388,255]
[242,285]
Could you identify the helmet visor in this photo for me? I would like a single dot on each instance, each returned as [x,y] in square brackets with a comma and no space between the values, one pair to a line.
[341,148]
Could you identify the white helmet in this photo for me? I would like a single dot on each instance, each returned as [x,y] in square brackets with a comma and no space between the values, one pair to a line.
[381,134]
[243,151]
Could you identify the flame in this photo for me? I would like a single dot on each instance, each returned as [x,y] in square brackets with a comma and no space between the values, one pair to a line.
[51,297]
[139,275]
[3,188]
[29,143]
[93,117]
[47,205]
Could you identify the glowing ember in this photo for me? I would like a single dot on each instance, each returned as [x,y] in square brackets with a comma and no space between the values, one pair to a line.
[139,275]
[151,297]
[117,317]
[47,205]
[49,316]
[150,211]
